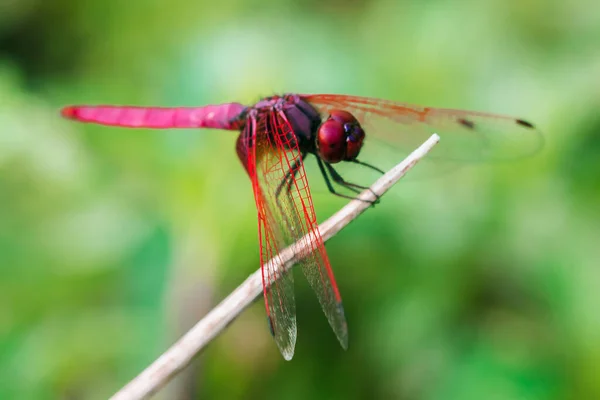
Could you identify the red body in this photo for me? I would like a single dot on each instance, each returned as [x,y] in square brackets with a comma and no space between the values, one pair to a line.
[279,132]
[219,116]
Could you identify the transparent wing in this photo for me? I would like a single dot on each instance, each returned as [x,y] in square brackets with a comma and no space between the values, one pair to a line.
[464,135]
[278,286]
[286,215]
[279,296]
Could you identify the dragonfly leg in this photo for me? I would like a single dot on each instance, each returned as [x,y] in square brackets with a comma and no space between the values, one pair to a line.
[337,178]
[330,186]
[368,166]
[290,175]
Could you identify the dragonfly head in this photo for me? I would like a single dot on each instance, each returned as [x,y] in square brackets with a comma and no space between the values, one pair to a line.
[340,137]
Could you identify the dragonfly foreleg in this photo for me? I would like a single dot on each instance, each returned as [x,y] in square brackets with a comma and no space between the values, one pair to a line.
[368,166]
[336,177]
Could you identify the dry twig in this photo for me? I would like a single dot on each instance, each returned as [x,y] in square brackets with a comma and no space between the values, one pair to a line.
[183,351]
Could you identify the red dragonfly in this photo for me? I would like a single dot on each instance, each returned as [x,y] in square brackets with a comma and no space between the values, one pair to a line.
[278,133]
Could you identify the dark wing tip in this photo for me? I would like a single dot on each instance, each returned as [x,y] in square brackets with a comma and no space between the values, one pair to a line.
[466,123]
[525,123]
[271,327]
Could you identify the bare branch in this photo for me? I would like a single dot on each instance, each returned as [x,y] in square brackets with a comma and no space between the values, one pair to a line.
[183,351]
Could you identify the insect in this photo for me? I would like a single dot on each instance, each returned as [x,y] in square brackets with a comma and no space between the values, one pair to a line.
[277,135]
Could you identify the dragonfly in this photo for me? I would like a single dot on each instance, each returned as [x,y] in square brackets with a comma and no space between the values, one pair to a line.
[279,133]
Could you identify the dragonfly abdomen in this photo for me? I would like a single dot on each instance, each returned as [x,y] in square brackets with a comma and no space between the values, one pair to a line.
[222,116]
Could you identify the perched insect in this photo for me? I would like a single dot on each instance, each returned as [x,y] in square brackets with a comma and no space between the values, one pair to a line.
[278,133]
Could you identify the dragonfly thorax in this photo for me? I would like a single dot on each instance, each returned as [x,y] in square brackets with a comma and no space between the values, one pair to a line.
[289,118]
[338,138]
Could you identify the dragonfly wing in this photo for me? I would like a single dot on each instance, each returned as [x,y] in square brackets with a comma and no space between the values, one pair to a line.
[282,192]
[278,285]
[465,135]
[279,296]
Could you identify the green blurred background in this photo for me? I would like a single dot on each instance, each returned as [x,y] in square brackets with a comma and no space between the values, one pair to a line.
[480,284]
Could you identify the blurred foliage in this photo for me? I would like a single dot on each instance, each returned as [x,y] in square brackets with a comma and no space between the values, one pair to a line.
[482,283]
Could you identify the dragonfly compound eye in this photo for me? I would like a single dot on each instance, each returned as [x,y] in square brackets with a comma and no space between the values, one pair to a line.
[354,139]
[331,141]
[340,138]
